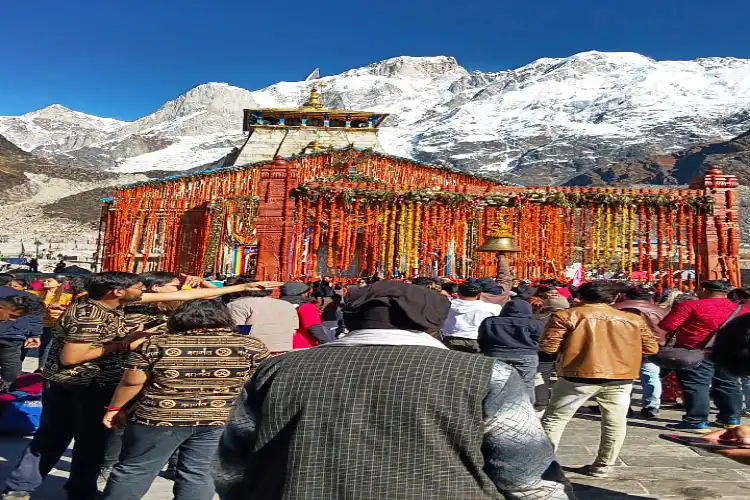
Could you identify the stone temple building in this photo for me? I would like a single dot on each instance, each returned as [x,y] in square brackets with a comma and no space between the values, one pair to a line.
[288,132]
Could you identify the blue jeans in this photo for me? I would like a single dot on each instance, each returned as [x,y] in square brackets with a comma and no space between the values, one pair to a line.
[706,381]
[746,391]
[651,382]
[145,450]
[68,412]
[526,366]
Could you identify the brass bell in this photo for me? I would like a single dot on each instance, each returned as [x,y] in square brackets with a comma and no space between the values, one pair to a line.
[499,244]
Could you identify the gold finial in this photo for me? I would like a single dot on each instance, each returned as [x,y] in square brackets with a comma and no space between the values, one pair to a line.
[314,100]
[316,145]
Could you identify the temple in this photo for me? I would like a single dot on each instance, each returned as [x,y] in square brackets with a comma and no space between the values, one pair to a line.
[313,194]
[287,132]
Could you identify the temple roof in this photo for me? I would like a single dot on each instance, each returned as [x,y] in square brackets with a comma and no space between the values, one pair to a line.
[317,153]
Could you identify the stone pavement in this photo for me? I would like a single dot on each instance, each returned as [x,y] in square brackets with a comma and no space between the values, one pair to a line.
[648,468]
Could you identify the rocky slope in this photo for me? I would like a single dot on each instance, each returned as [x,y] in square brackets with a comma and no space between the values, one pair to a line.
[733,157]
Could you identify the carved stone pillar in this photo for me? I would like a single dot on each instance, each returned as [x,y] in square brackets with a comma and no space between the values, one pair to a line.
[720,242]
[274,224]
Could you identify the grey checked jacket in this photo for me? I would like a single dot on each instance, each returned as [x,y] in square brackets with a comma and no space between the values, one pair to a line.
[385,422]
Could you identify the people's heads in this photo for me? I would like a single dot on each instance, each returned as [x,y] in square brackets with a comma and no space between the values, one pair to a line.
[123,287]
[639,293]
[18,284]
[739,295]
[714,289]
[6,278]
[731,350]
[469,291]
[597,292]
[203,313]
[13,307]
[547,291]
[536,303]
[241,280]
[53,283]
[295,289]
[160,281]
[555,304]
[449,288]
[393,305]
[423,281]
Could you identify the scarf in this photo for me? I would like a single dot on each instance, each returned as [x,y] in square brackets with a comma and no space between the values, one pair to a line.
[376,336]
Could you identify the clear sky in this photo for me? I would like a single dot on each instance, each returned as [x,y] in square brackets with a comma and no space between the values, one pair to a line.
[124,58]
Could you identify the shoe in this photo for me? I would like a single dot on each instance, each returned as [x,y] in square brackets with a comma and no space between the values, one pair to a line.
[746,413]
[687,426]
[16,495]
[649,413]
[596,470]
[731,423]
[170,474]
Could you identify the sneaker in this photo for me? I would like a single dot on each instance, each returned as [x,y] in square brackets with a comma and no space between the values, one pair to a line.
[596,470]
[746,413]
[731,423]
[687,426]
[16,495]
[649,413]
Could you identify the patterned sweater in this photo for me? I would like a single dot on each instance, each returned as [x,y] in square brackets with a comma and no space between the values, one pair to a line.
[385,422]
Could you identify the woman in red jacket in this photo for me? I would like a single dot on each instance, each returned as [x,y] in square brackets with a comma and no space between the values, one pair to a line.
[310,332]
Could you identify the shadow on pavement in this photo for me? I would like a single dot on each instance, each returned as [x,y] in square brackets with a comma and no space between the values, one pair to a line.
[586,492]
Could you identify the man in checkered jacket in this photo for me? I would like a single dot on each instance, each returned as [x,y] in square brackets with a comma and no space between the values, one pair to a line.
[387,413]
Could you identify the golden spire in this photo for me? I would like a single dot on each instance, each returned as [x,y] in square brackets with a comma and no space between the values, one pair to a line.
[314,100]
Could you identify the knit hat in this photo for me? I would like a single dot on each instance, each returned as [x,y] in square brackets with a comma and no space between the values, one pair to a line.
[294,288]
[394,305]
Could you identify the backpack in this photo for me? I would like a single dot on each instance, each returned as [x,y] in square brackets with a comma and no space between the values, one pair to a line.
[21,416]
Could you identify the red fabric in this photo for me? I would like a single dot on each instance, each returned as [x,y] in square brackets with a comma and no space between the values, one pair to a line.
[694,320]
[564,292]
[308,316]
[671,389]
[30,383]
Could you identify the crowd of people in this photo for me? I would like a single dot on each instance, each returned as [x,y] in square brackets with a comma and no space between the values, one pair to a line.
[378,389]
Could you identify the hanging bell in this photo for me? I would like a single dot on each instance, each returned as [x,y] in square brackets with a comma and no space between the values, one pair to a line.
[499,244]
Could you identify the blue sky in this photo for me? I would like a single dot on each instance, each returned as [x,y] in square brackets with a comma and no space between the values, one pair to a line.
[124,58]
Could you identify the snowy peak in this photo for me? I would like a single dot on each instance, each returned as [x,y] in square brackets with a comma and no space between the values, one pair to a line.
[409,67]
[59,113]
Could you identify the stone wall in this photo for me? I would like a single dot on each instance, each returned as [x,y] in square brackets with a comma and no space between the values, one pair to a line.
[264,142]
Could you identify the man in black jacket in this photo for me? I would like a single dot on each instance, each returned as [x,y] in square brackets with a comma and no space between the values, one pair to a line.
[513,337]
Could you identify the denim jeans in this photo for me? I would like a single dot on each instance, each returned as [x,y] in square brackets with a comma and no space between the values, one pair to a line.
[651,383]
[68,412]
[746,391]
[145,450]
[707,381]
[542,391]
[614,402]
[526,366]
[45,340]
[10,359]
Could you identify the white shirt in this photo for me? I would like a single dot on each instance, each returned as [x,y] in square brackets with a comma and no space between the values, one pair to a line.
[465,317]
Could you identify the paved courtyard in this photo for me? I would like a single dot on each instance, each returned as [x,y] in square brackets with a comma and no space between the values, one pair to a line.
[648,467]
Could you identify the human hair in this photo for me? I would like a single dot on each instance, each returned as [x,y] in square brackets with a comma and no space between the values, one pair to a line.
[470,290]
[739,294]
[450,287]
[716,286]
[100,284]
[597,292]
[5,278]
[156,278]
[241,280]
[731,351]
[639,293]
[202,313]
[423,281]
[29,304]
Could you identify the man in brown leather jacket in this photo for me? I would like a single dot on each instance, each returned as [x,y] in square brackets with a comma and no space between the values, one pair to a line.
[599,352]
[638,300]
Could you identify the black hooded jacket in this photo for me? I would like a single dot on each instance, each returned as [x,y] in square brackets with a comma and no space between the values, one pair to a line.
[514,331]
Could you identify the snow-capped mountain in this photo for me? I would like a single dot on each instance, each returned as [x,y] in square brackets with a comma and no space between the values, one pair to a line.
[544,122]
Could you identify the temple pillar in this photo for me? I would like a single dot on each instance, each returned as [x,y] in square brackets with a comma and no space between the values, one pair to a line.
[274,223]
[720,242]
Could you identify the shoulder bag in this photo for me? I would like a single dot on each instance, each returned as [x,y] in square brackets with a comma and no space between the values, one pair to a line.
[679,358]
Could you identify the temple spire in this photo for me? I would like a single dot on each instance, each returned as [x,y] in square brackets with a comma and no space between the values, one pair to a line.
[314,101]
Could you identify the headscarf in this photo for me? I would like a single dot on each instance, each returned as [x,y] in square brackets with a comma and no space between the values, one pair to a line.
[394,305]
